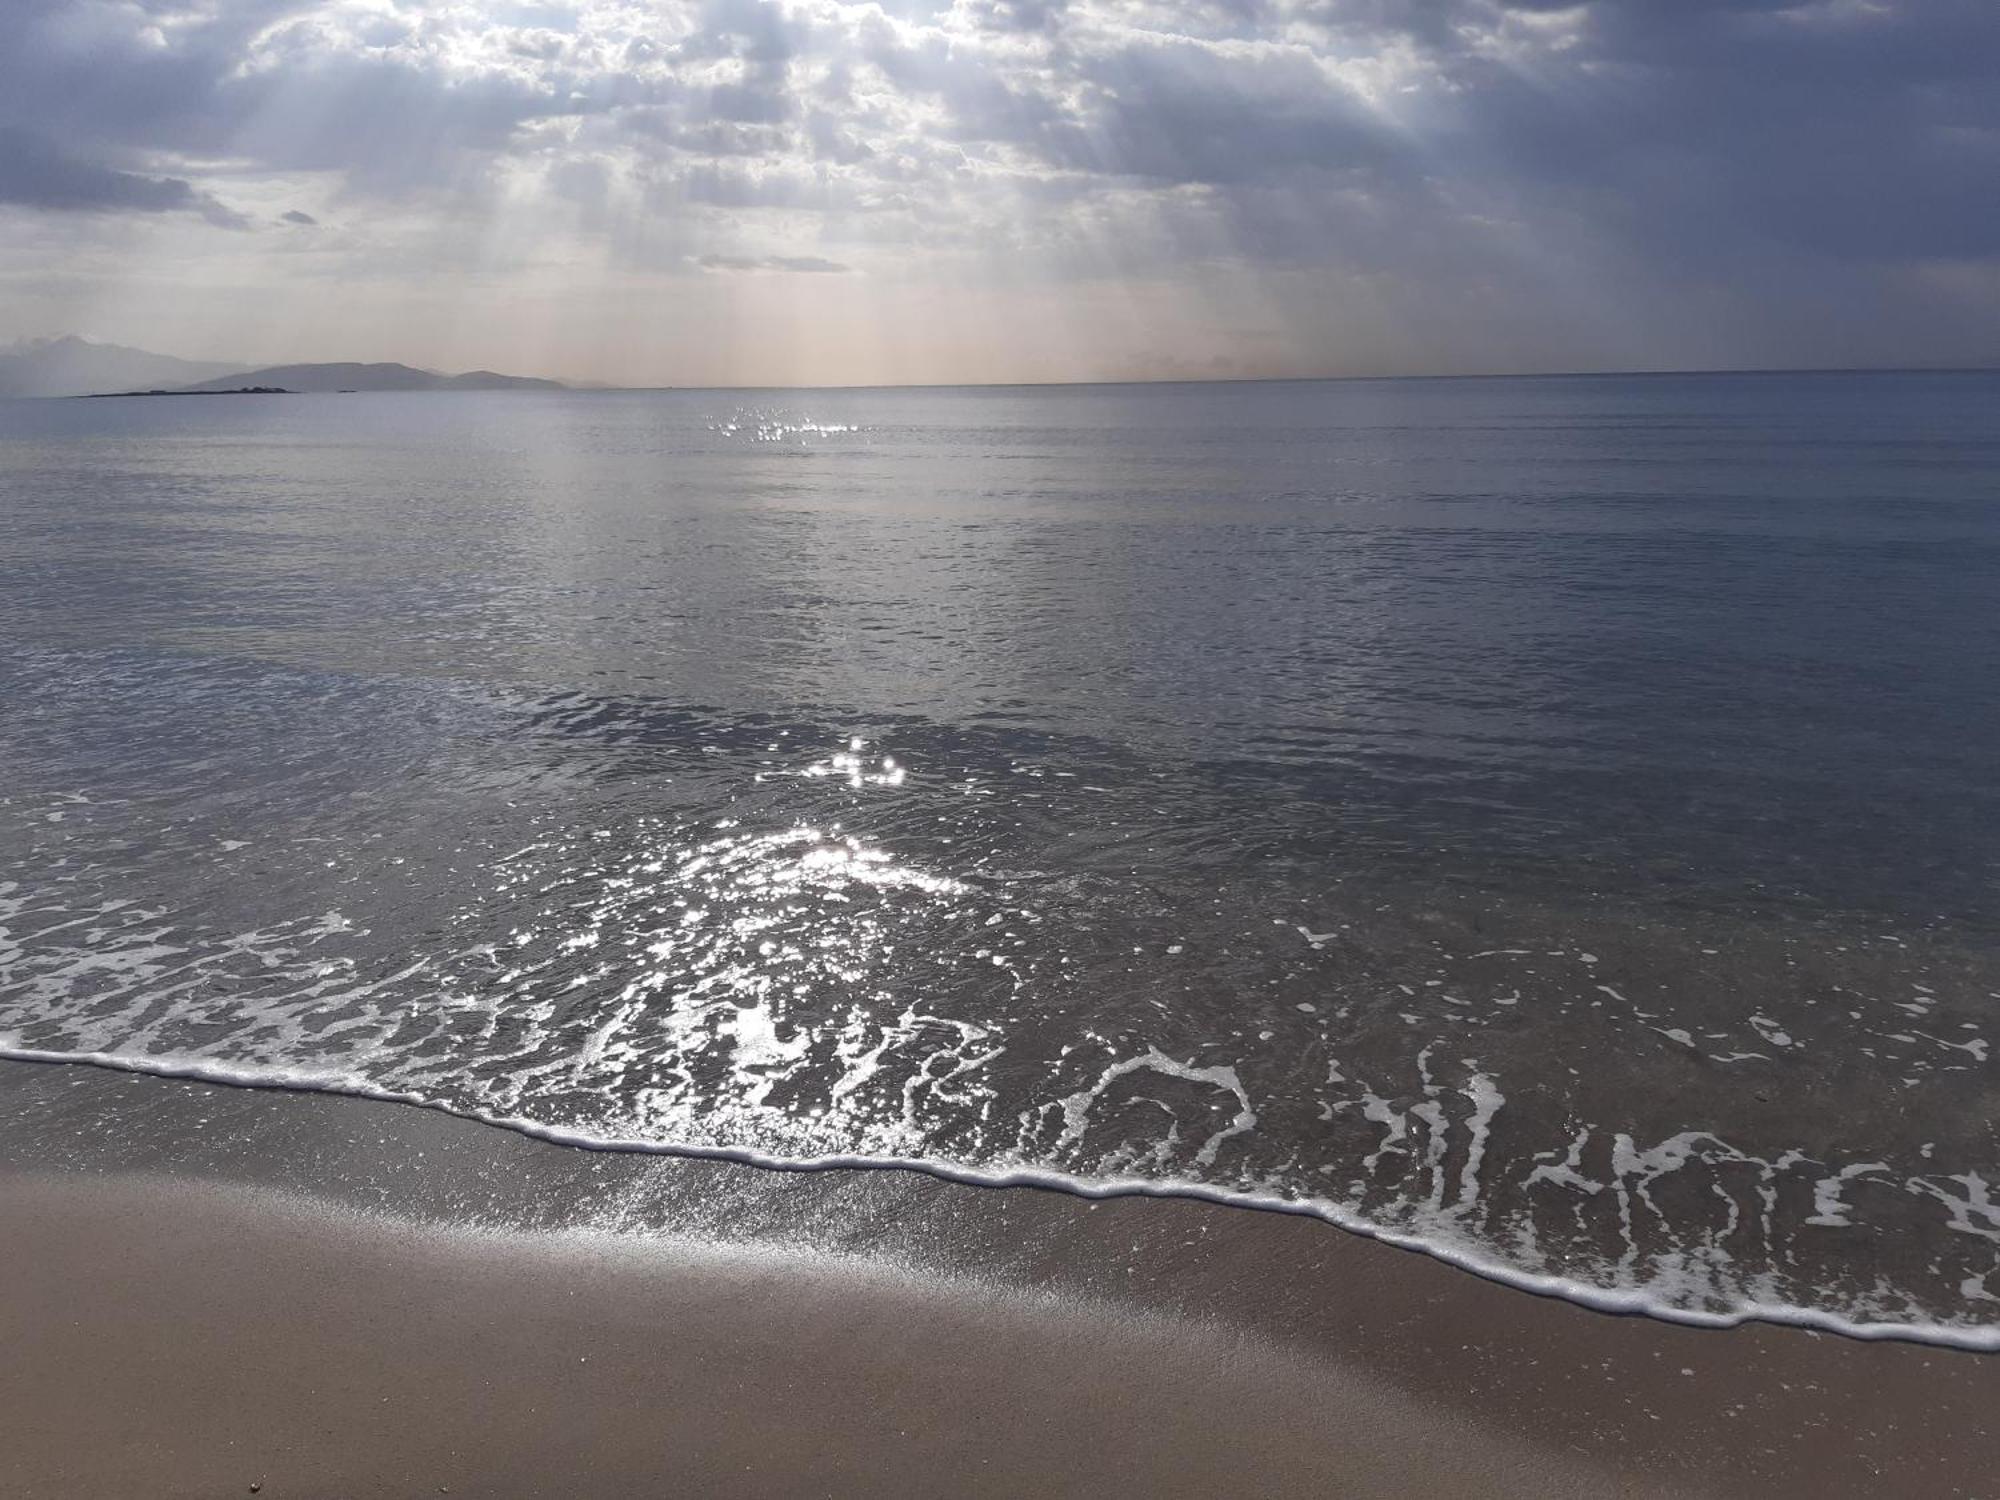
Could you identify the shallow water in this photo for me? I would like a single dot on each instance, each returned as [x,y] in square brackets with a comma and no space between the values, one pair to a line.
[1551,820]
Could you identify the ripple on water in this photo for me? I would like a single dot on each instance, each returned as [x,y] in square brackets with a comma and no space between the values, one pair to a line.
[726,937]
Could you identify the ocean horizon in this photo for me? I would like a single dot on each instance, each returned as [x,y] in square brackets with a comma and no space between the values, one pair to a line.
[1543,821]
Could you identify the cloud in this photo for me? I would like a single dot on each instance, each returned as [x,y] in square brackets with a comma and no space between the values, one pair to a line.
[801,263]
[298,216]
[34,173]
[1634,167]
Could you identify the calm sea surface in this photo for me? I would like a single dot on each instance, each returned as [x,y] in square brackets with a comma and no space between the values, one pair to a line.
[1556,821]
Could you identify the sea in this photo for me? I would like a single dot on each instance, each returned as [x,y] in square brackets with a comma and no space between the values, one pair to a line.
[1550,823]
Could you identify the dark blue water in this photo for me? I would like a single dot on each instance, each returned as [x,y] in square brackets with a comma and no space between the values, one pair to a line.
[1553,820]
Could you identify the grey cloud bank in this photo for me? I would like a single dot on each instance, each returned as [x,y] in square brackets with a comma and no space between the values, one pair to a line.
[1020,188]
[35,173]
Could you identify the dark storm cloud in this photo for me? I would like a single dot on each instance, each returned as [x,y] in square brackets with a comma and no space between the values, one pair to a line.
[92,73]
[1836,129]
[34,173]
[1180,112]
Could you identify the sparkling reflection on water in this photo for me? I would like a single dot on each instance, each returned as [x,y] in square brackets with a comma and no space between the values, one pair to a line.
[1558,872]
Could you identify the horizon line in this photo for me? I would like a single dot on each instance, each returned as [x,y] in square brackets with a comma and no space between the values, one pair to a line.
[1001,385]
[579,385]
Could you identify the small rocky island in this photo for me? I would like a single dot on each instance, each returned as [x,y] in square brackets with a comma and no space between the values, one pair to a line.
[240,390]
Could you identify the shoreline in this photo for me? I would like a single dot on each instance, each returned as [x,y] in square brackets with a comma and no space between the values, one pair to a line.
[1984,1340]
[254,1340]
[310,1262]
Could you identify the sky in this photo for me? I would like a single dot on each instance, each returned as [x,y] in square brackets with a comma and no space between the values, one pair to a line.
[777,192]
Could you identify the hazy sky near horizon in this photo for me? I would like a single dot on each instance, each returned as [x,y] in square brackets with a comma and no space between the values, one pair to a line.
[811,191]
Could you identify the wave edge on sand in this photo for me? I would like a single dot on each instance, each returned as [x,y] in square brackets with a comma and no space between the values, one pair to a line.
[1617,1302]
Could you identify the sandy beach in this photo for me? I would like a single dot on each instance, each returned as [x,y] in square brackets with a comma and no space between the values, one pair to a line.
[1548,822]
[214,1289]
[999,750]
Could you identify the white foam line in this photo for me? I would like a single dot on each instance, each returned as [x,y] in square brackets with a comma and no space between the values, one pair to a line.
[1598,1299]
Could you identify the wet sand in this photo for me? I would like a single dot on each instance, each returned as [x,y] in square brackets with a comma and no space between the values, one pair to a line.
[215,1288]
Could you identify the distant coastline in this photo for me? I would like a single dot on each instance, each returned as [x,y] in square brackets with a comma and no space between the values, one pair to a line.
[338,378]
[241,390]
[70,366]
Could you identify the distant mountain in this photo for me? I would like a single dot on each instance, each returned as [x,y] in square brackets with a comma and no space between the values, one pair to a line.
[384,377]
[486,380]
[70,366]
[77,367]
